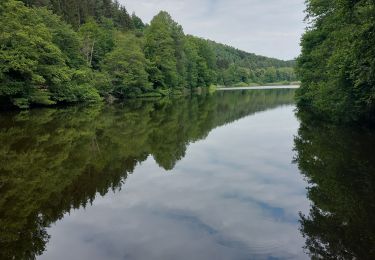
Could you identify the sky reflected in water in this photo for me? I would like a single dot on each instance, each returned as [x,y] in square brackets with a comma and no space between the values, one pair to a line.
[234,195]
[224,175]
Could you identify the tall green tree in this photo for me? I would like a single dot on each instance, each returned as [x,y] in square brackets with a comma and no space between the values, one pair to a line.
[192,57]
[160,49]
[64,37]
[138,23]
[127,65]
[121,18]
[97,40]
[30,63]
[206,63]
[337,65]
[36,65]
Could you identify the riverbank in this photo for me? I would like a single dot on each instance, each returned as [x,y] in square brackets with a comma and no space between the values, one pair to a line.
[6,105]
[252,84]
[260,87]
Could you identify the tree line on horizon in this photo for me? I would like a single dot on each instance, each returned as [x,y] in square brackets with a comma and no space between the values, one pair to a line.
[70,51]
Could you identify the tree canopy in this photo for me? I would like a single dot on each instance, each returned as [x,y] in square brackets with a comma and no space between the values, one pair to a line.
[337,64]
[67,51]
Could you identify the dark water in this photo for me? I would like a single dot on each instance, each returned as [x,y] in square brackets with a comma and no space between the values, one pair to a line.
[219,176]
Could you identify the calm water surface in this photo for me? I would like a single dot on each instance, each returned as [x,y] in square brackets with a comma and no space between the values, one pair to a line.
[205,177]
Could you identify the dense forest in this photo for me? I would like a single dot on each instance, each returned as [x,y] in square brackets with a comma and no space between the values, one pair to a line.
[69,51]
[80,151]
[235,67]
[337,64]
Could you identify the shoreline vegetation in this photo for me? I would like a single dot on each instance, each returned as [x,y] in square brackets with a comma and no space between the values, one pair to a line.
[337,64]
[251,84]
[65,52]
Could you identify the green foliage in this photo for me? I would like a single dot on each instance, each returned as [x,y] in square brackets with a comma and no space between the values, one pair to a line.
[30,61]
[201,67]
[192,58]
[97,40]
[64,37]
[206,63]
[235,66]
[160,49]
[78,12]
[138,23]
[337,65]
[70,51]
[38,53]
[121,17]
[126,66]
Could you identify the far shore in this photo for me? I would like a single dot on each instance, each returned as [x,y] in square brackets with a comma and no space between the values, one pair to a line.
[259,87]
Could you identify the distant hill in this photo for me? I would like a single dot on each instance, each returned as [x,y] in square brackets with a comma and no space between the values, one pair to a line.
[71,51]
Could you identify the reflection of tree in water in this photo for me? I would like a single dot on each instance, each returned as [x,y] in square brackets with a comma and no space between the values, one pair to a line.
[340,168]
[53,160]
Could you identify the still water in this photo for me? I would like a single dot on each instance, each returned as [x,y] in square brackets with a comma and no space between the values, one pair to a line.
[230,175]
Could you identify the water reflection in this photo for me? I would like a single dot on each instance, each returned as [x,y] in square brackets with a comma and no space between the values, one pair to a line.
[56,160]
[340,168]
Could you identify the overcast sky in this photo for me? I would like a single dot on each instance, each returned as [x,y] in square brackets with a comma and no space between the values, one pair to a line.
[267,27]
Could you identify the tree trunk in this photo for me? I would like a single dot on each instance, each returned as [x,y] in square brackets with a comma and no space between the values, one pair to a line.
[92,52]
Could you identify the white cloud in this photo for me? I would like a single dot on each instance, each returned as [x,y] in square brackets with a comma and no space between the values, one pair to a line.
[267,27]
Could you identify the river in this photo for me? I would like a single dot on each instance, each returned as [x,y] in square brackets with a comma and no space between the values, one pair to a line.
[228,175]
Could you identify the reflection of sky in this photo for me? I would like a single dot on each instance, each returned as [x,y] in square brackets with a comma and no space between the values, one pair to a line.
[235,195]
